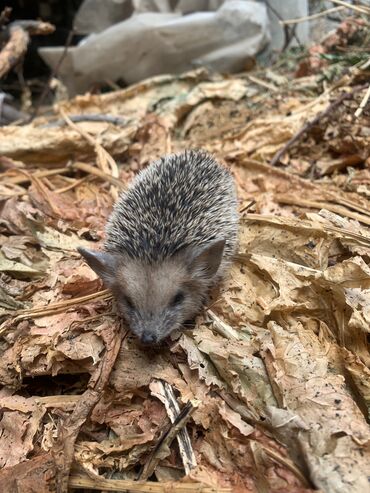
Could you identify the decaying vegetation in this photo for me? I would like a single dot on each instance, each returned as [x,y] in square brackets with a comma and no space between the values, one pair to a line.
[270,392]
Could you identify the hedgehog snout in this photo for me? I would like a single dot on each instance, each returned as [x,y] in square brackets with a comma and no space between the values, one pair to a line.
[153,328]
[154,331]
[148,338]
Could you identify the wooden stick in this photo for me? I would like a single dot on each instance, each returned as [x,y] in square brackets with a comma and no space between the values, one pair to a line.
[35,28]
[19,36]
[103,159]
[14,49]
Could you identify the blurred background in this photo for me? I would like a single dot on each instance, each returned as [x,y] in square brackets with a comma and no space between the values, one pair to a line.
[100,45]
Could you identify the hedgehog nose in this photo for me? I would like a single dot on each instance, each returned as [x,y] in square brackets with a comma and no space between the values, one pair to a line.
[148,338]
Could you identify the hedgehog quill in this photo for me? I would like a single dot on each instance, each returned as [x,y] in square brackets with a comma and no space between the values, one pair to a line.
[170,238]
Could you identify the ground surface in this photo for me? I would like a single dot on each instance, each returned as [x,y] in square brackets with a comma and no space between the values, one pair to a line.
[273,382]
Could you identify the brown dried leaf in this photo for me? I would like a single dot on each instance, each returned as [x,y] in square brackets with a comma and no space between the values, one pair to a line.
[335,436]
[34,476]
[20,421]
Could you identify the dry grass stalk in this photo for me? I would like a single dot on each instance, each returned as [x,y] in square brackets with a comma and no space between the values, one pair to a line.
[79,481]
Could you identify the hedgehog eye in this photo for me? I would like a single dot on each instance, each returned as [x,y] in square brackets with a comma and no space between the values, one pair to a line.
[128,302]
[177,299]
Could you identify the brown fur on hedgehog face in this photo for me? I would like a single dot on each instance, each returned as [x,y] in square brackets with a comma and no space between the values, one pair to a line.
[158,298]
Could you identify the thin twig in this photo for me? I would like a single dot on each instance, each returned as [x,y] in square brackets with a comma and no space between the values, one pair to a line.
[247,207]
[308,225]
[26,178]
[87,168]
[288,463]
[83,481]
[311,17]
[166,394]
[104,160]
[262,83]
[363,103]
[356,8]
[313,204]
[51,309]
[289,31]
[115,120]
[73,185]
[53,74]
[166,439]
[332,106]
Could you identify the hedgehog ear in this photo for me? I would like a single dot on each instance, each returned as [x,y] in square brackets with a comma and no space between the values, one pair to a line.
[205,260]
[103,263]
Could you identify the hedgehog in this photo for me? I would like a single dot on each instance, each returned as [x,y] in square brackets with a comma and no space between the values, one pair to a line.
[170,238]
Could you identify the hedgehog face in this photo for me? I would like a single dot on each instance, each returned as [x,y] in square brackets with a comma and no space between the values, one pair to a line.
[158,298]
[155,299]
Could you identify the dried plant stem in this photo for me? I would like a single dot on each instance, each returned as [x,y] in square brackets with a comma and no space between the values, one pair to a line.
[302,224]
[312,204]
[183,438]
[289,464]
[355,8]
[247,206]
[54,73]
[223,328]
[262,83]
[348,203]
[166,439]
[103,159]
[52,309]
[363,103]
[87,168]
[311,17]
[91,117]
[73,185]
[27,177]
[306,185]
[165,392]
[79,481]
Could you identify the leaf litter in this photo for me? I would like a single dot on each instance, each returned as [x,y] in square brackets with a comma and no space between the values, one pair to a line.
[270,391]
